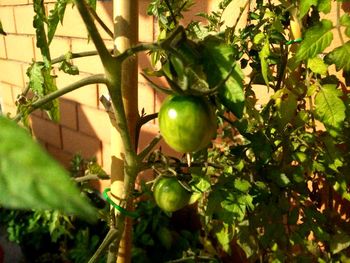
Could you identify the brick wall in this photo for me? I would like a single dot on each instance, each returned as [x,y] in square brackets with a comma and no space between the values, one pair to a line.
[84,126]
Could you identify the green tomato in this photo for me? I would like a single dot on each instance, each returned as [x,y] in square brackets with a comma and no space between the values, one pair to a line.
[187,123]
[170,195]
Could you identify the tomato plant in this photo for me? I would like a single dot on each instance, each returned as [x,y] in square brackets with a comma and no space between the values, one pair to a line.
[170,195]
[272,187]
[187,122]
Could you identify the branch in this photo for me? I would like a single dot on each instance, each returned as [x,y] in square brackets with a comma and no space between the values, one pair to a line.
[155,86]
[102,50]
[99,20]
[100,78]
[149,147]
[89,177]
[76,55]
[110,237]
[141,121]
[338,24]
[136,49]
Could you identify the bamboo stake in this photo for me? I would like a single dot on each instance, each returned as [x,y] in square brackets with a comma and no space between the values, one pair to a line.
[125,15]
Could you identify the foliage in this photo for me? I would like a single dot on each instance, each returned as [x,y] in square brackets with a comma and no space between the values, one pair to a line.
[270,187]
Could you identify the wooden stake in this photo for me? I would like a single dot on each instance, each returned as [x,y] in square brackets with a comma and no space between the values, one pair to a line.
[125,15]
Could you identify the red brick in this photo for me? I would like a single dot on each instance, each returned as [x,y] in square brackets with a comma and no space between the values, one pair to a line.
[59,46]
[14,2]
[2,47]
[11,72]
[94,122]
[68,111]
[9,109]
[72,23]
[7,19]
[104,9]
[6,94]
[106,157]
[86,95]
[61,156]
[78,143]
[16,91]
[146,98]
[148,132]
[145,23]
[24,19]
[20,48]
[46,131]
[90,64]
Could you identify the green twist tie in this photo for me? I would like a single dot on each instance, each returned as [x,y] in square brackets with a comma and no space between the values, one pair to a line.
[122,210]
[298,40]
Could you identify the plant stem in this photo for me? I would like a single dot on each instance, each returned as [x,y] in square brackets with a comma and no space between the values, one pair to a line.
[138,48]
[110,237]
[76,55]
[99,20]
[102,50]
[89,177]
[338,24]
[149,147]
[100,78]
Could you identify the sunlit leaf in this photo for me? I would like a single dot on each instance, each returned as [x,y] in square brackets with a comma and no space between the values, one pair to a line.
[317,66]
[217,61]
[316,39]
[339,242]
[30,179]
[263,55]
[56,16]
[324,6]
[330,109]
[340,57]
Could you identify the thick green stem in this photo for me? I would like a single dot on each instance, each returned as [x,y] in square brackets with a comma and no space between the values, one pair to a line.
[100,78]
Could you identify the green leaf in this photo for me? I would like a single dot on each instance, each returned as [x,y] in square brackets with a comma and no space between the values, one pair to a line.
[2,32]
[340,57]
[324,6]
[317,65]
[39,21]
[339,242]
[36,79]
[68,68]
[224,236]
[56,16]
[305,6]
[330,109]
[218,61]
[30,179]
[316,39]
[263,55]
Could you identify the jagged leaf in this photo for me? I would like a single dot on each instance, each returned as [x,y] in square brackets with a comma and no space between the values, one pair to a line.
[263,55]
[2,32]
[340,57]
[39,21]
[56,16]
[41,82]
[317,38]
[30,179]
[68,68]
[317,66]
[330,109]
[218,62]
